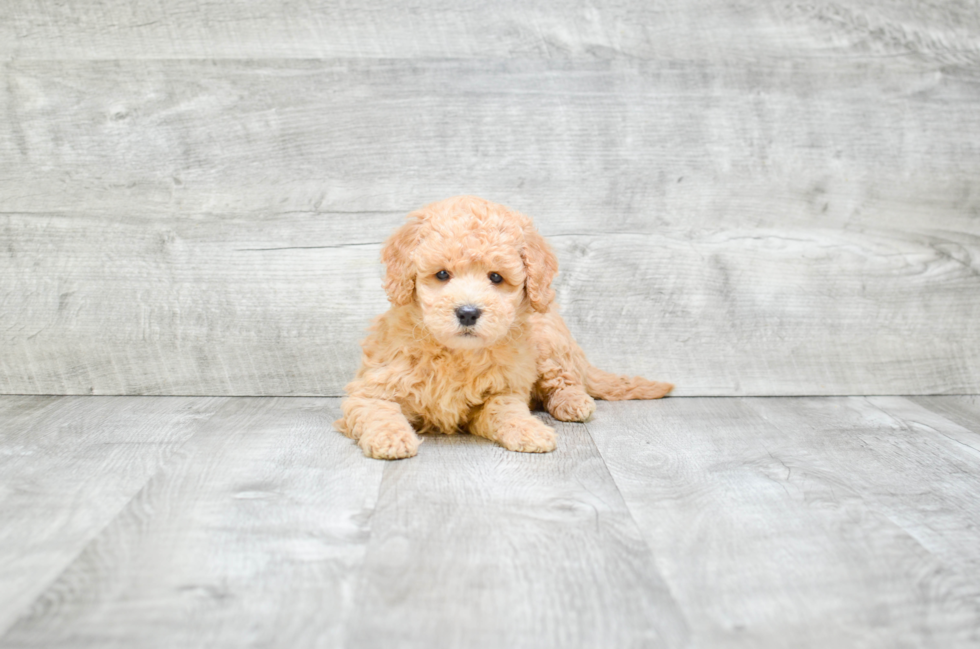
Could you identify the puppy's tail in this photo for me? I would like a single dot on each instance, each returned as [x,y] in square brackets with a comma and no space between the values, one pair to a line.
[614,387]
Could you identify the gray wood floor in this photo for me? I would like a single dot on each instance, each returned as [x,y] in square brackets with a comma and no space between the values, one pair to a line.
[701,522]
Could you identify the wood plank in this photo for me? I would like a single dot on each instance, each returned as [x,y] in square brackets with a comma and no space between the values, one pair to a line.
[823,520]
[250,537]
[922,472]
[475,546]
[108,29]
[963,410]
[786,311]
[638,144]
[68,466]
[185,307]
[191,307]
[927,421]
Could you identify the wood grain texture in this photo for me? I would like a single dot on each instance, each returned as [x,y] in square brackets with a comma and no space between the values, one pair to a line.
[164,522]
[476,546]
[833,521]
[804,225]
[68,465]
[185,308]
[963,410]
[249,537]
[632,143]
[921,472]
[109,29]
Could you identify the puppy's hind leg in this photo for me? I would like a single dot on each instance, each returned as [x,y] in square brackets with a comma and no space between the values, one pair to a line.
[561,370]
[378,427]
[562,393]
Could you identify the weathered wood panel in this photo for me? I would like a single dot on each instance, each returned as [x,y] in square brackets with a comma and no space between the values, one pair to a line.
[68,465]
[108,29]
[475,546]
[801,226]
[250,536]
[185,306]
[277,306]
[834,522]
[618,144]
[964,410]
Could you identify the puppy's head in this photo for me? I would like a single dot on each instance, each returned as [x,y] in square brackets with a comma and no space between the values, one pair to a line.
[474,268]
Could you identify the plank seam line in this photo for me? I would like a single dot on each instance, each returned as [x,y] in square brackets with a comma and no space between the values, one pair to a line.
[339,245]
[358,578]
[907,426]
[963,419]
[28,608]
[636,524]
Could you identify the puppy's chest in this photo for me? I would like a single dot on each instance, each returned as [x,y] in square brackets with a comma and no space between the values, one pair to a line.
[445,391]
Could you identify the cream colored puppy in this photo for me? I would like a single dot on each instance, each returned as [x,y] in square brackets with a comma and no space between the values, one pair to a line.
[472,339]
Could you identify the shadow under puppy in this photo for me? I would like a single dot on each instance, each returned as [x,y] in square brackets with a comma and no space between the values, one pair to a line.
[472,339]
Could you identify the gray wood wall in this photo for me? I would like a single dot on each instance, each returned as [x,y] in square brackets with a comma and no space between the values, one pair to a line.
[746,198]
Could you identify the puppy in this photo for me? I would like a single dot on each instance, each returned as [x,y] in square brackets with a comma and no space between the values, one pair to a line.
[472,339]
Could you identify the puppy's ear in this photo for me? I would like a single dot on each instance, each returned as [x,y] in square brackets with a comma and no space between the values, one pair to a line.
[541,266]
[399,267]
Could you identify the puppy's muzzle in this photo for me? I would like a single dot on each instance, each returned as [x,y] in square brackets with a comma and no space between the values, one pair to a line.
[468,315]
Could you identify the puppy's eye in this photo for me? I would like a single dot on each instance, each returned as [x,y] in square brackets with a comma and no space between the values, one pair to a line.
[442,275]
[495,278]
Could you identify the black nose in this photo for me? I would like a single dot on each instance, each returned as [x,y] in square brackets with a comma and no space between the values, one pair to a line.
[468,315]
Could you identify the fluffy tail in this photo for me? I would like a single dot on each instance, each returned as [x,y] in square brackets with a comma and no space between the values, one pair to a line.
[613,387]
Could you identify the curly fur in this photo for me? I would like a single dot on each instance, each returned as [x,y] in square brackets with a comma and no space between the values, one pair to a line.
[422,371]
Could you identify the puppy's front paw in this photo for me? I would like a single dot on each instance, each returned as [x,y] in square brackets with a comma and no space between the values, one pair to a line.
[389,441]
[571,405]
[527,435]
